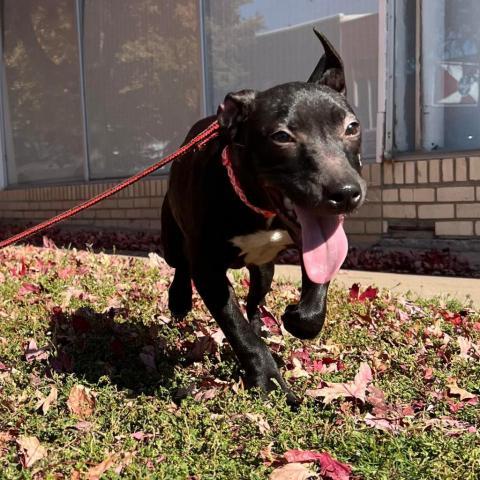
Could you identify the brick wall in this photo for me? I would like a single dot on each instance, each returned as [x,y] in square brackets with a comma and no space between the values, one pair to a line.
[434,198]
[365,226]
[135,208]
[441,195]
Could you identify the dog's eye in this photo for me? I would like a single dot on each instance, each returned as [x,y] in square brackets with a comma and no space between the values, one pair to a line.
[282,137]
[352,129]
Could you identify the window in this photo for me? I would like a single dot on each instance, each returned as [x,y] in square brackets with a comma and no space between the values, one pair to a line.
[261,43]
[143,81]
[436,75]
[42,105]
[140,66]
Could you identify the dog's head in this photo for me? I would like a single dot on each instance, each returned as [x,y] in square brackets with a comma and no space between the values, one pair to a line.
[302,142]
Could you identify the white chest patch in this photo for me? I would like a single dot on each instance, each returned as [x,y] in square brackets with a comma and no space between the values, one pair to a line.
[262,246]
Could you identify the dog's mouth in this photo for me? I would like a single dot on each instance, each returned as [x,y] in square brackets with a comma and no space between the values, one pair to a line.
[320,237]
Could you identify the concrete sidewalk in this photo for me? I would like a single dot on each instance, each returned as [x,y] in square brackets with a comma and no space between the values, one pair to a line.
[463,289]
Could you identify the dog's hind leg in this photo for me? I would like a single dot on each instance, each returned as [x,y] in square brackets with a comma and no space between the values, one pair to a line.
[180,291]
[260,282]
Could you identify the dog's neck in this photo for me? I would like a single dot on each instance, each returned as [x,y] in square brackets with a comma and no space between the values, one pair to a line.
[241,160]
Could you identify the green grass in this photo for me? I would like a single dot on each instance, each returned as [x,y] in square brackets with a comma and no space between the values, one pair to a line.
[104,323]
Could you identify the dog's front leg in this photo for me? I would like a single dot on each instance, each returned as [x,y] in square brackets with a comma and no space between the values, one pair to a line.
[305,319]
[252,353]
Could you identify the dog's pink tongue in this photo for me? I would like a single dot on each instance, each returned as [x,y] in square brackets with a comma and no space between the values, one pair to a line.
[325,244]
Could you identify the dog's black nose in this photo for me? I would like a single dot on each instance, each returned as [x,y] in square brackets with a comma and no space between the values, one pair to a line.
[344,198]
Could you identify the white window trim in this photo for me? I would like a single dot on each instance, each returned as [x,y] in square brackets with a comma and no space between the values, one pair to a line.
[385,80]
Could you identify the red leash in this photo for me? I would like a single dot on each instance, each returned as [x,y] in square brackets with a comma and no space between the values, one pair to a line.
[198,142]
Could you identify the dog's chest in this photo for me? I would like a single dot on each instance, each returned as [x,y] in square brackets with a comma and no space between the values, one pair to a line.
[263,246]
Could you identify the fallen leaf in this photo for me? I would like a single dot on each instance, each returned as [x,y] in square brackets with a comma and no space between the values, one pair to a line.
[333,469]
[369,294]
[293,471]
[301,456]
[263,425]
[28,288]
[140,436]
[31,450]
[355,389]
[385,424]
[269,321]
[48,243]
[465,345]
[84,426]
[81,401]
[454,389]
[329,467]
[32,352]
[155,260]
[268,456]
[46,402]
[94,473]
[206,394]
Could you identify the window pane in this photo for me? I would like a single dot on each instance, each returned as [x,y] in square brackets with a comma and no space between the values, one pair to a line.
[143,81]
[445,116]
[262,43]
[43,109]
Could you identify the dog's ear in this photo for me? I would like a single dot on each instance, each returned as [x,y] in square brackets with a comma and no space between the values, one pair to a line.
[235,109]
[329,70]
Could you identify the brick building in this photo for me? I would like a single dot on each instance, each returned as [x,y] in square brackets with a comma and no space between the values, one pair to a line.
[93,91]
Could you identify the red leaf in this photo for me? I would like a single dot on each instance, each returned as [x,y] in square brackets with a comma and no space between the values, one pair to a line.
[21,271]
[330,468]
[269,321]
[28,288]
[333,469]
[299,456]
[354,291]
[369,294]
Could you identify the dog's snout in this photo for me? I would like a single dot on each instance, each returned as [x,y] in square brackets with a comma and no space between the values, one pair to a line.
[345,197]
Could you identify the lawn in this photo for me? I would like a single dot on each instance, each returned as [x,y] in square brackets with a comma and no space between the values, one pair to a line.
[97,381]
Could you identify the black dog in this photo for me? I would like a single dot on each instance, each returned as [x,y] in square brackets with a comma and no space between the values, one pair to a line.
[293,152]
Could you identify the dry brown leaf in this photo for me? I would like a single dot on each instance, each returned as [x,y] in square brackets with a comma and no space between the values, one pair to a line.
[465,345]
[293,471]
[454,389]
[46,402]
[81,401]
[31,450]
[94,473]
[263,425]
[355,389]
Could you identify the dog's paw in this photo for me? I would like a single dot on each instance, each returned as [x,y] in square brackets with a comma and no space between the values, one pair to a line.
[269,382]
[302,324]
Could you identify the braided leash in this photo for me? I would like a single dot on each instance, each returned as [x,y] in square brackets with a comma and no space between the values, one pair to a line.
[197,142]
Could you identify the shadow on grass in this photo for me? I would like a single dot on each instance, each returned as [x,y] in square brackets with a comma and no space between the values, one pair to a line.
[132,355]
